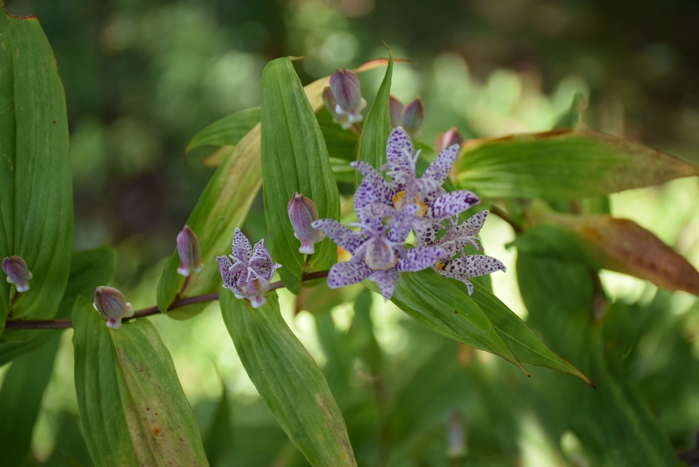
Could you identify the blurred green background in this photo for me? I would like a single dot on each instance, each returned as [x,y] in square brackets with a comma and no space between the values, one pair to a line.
[142,77]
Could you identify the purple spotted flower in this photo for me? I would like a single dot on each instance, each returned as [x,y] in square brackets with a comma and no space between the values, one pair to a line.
[378,254]
[457,236]
[389,211]
[248,275]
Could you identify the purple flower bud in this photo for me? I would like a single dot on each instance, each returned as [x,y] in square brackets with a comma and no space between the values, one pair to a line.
[345,87]
[413,116]
[17,272]
[456,446]
[189,251]
[302,212]
[446,139]
[330,104]
[112,306]
[396,110]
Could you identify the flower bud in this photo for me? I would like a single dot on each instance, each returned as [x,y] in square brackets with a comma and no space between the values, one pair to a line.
[17,272]
[330,104]
[396,110]
[413,115]
[302,212]
[348,94]
[456,436]
[111,305]
[189,251]
[446,139]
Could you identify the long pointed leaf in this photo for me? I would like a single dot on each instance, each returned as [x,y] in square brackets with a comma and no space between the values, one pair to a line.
[294,159]
[289,380]
[131,403]
[36,205]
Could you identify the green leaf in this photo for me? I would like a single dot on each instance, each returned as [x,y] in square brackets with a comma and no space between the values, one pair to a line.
[289,380]
[222,207]
[294,159]
[525,344]
[442,306]
[566,164]
[131,403]
[227,131]
[36,193]
[377,128]
[20,400]
[88,270]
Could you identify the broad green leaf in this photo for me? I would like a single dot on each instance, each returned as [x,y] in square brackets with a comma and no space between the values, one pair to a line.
[222,207]
[289,380]
[36,194]
[571,118]
[20,400]
[616,244]
[131,403]
[88,270]
[566,164]
[294,160]
[441,306]
[226,131]
[525,344]
[617,429]
[377,128]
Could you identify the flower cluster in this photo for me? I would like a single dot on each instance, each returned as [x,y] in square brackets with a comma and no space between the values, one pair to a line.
[388,211]
[248,275]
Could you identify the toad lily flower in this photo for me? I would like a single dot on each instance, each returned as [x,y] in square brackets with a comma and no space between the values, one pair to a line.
[377,255]
[453,241]
[388,211]
[248,275]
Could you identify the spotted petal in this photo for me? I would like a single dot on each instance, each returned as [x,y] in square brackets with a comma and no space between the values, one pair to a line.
[399,153]
[387,282]
[352,272]
[373,189]
[242,249]
[419,258]
[340,234]
[439,169]
[451,204]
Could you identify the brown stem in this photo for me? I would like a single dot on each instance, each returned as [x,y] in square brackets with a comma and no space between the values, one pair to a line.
[153,310]
[506,217]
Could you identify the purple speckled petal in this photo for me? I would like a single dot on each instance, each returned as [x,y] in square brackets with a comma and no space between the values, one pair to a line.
[472,225]
[451,204]
[241,246]
[342,274]
[340,234]
[419,258]
[387,281]
[402,222]
[428,233]
[261,260]
[373,189]
[438,171]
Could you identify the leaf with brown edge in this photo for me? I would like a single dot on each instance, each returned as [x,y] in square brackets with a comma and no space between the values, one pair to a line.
[624,246]
[564,163]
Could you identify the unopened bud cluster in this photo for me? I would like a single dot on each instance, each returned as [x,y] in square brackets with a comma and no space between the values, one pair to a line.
[409,117]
